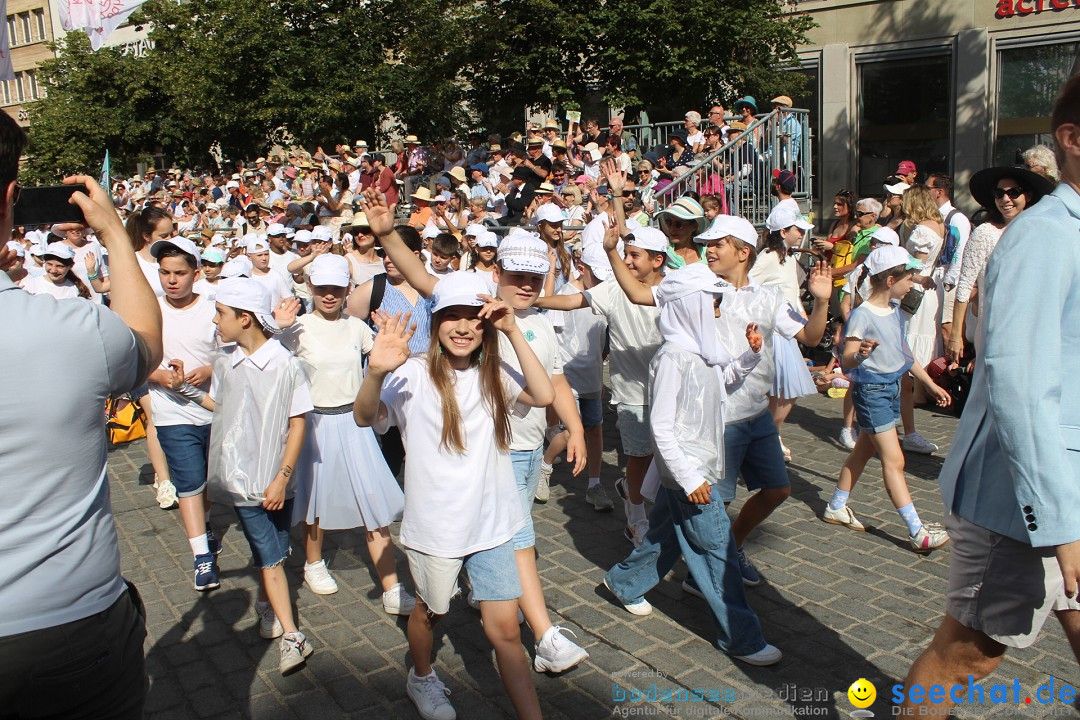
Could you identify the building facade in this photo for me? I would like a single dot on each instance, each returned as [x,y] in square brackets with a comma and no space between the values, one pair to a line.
[953,85]
[30,28]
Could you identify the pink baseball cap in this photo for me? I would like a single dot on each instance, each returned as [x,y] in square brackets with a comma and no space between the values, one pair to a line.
[905,167]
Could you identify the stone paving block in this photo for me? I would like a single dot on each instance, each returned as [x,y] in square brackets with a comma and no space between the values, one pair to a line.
[352,696]
[268,707]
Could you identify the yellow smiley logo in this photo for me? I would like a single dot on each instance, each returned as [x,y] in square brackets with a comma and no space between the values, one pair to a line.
[862,693]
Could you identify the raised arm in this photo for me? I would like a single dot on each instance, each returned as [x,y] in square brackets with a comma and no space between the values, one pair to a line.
[820,285]
[381,223]
[538,390]
[389,352]
[575,301]
[637,293]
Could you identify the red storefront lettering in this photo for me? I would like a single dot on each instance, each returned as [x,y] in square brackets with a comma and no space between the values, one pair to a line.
[1005,8]
[1022,10]
[1059,4]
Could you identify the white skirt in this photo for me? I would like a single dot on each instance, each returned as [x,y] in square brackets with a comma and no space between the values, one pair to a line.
[923,329]
[342,480]
[792,378]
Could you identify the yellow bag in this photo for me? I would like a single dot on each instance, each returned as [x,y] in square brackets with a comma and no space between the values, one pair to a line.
[124,419]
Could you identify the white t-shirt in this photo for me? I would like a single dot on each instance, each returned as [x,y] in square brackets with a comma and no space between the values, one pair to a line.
[581,347]
[187,335]
[41,286]
[455,504]
[768,270]
[635,338]
[95,248]
[205,288]
[332,352]
[594,231]
[280,263]
[696,139]
[528,431]
[150,271]
[280,285]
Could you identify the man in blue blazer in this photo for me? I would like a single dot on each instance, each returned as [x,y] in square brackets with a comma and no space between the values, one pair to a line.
[1011,483]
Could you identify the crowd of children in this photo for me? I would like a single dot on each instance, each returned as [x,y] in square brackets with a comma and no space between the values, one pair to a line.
[297,386]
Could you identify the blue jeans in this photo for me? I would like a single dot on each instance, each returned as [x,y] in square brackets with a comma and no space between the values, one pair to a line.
[527,476]
[702,535]
[267,532]
[186,449]
[752,447]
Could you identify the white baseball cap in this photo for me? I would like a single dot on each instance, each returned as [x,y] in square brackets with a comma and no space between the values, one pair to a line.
[330,270]
[251,295]
[322,233]
[549,213]
[19,251]
[303,237]
[648,238]
[430,231]
[59,250]
[254,244]
[886,236]
[898,189]
[277,229]
[888,257]
[730,226]
[217,239]
[460,288]
[785,216]
[487,239]
[475,230]
[232,184]
[180,243]
[597,260]
[523,251]
[239,266]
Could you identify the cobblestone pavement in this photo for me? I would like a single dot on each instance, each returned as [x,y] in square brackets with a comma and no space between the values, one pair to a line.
[841,605]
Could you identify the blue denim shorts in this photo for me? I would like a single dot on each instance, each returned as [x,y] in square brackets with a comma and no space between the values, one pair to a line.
[267,532]
[527,476]
[752,447]
[186,449]
[877,406]
[492,573]
[634,430]
[592,411]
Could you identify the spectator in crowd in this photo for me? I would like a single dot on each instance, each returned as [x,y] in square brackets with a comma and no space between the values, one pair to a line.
[1040,159]
[907,172]
[695,138]
[958,228]
[843,227]
[790,130]
[65,604]
[718,119]
[892,212]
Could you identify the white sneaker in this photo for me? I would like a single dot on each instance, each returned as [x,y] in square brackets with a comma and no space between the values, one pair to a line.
[599,499]
[166,494]
[767,655]
[642,607]
[318,579]
[294,649]
[429,696]
[786,451]
[931,536]
[269,625]
[636,533]
[543,487]
[848,438]
[844,517]
[916,443]
[624,492]
[398,601]
[556,653]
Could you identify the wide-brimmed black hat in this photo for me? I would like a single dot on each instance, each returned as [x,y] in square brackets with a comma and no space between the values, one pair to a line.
[982,184]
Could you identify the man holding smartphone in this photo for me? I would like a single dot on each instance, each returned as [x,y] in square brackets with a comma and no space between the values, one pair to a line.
[72,631]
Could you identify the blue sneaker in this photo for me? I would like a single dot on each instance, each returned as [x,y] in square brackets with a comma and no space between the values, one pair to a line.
[212,541]
[750,576]
[206,573]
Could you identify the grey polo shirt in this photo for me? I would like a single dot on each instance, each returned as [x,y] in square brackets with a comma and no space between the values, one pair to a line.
[61,360]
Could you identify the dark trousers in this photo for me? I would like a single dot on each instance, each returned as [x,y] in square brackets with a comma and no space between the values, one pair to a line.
[87,669]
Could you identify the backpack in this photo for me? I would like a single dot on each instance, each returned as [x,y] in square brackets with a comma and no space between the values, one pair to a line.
[952,241]
[378,289]
[124,420]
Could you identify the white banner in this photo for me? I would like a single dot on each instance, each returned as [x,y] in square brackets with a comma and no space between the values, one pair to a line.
[99,18]
[6,71]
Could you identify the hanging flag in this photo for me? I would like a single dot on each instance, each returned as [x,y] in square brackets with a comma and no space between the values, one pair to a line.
[6,71]
[106,180]
[99,18]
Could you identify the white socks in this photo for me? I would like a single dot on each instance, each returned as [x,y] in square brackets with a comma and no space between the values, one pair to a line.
[200,545]
[637,512]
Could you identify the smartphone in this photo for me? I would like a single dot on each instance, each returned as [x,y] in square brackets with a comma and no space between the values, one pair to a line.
[47,205]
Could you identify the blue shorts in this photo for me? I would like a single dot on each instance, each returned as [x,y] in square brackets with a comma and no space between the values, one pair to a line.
[877,406]
[267,532]
[752,447]
[592,411]
[527,476]
[634,430]
[492,573]
[186,449]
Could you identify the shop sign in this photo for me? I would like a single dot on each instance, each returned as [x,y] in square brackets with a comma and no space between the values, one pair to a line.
[1013,8]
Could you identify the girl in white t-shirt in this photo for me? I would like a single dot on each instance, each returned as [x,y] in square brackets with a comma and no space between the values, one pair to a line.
[483,253]
[58,280]
[462,508]
[342,480]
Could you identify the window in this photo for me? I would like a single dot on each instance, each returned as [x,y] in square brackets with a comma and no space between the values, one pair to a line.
[904,114]
[810,98]
[7,92]
[24,23]
[39,23]
[1028,81]
[31,78]
[13,37]
[20,91]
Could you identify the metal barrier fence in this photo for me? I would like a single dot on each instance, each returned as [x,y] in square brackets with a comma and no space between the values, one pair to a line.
[741,171]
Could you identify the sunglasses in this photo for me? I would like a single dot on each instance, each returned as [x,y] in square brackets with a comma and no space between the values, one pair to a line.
[1012,192]
[675,222]
[864,213]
